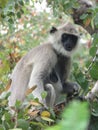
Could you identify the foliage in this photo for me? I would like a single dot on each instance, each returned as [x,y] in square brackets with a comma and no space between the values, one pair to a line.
[22,28]
[75,117]
[11,10]
[63,6]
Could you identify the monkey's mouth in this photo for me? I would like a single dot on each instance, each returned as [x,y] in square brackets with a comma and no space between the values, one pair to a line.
[68,47]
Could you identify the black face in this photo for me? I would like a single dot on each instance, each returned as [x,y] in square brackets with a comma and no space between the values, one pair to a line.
[69,41]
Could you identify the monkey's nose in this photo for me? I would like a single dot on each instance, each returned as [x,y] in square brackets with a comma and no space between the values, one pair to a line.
[68,47]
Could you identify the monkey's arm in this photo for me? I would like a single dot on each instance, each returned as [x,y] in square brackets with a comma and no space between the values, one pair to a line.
[69,88]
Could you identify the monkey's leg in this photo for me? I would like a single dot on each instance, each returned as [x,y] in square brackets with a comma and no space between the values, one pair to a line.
[20,78]
[37,79]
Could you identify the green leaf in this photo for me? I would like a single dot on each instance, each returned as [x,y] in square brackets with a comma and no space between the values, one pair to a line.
[75,66]
[16,6]
[95,41]
[3,3]
[11,21]
[81,79]
[16,129]
[47,119]
[7,116]
[93,123]
[18,104]
[1,127]
[19,15]
[94,71]
[94,106]
[93,50]
[23,124]
[96,20]
[44,94]
[84,16]
[21,3]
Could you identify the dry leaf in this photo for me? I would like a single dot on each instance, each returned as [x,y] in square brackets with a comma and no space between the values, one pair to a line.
[8,85]
[34,113]
[30,90]
[1,91]
[33,103]
[87,22]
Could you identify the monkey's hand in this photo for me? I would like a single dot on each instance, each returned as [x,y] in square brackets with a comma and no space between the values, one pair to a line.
[71,89]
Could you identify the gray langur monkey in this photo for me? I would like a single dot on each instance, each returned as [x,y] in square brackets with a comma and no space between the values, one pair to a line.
[37,66]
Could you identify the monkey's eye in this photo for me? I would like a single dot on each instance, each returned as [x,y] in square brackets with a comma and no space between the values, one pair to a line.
[64,37]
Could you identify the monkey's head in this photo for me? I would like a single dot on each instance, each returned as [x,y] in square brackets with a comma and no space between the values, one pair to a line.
[64,39]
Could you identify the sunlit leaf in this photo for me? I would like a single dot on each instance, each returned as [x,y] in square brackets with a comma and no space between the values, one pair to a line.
[44,94]
[47,119]
[3,3]
[45,114]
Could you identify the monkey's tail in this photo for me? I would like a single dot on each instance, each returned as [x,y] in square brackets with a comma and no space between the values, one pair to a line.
[51,94]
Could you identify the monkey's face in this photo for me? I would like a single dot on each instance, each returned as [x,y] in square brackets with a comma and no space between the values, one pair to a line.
[69,41]
[64,39]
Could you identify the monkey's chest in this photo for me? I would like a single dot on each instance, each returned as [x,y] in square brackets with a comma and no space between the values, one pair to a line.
[62,67]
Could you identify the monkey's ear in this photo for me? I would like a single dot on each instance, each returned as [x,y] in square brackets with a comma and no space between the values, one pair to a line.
[53,30]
